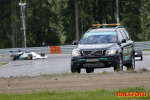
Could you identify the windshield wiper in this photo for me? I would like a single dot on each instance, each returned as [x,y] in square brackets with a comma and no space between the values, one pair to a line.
[111,42]
[91,43]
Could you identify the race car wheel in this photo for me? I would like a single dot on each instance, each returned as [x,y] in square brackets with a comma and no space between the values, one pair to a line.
[139,54]
[13,57]
[131,66]
[89,70]
[119,67]
[30,56]
[141,57]
[75,70]
[42,54]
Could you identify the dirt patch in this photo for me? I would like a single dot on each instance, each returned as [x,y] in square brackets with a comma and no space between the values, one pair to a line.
[65,82]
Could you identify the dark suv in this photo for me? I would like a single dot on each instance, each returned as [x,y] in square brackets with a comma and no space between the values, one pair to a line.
[102,48]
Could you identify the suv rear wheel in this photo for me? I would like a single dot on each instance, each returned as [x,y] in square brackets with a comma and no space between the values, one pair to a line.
[131,66]
[89,70]
[119,67]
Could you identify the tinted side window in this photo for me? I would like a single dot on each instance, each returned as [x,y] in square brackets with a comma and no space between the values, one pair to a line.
[127,34]
[120,36]
[123,34]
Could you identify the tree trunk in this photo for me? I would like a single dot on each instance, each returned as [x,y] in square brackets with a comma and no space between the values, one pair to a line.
[76,20]
[117,10]
[82,17]
[13,42]
[100,7]
[35,31]
[143,18]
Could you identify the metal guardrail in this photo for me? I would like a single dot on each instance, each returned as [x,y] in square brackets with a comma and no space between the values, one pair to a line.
[32,49]
[142,45]
[65,48]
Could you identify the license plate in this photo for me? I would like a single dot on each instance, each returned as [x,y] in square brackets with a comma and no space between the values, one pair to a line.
[92,60]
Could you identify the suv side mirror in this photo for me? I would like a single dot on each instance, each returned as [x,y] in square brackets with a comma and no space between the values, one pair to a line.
[75,42]
[123,41]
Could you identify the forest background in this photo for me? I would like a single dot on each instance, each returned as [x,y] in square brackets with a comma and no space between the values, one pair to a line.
[53,21]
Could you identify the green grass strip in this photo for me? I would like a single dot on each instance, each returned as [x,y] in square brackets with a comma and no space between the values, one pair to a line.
[1,64]
[101,94]
[146,50]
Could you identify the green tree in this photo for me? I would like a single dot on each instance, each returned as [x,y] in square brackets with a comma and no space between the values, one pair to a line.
[5,24]
[131,19]
[42,23]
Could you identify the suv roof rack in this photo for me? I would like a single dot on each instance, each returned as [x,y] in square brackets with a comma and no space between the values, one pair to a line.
[95,26]
[118,27]
[114,24]
[106,24]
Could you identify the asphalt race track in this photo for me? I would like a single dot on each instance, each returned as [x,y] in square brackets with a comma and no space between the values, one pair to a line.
[55,63]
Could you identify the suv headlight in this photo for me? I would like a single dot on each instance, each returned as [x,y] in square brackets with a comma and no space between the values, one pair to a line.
[110,52]
[76,53]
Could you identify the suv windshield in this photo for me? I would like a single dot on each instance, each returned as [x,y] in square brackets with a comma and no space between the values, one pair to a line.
[99,37]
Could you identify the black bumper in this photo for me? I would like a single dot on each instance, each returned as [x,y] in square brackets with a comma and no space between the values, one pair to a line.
[94,62]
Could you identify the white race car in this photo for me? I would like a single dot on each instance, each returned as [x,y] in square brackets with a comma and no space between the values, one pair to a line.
[15,55]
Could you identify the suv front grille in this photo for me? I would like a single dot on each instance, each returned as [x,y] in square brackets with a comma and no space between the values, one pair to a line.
[93,52]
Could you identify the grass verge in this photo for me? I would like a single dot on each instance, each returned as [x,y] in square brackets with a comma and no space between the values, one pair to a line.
[105,72]
[1,64]
[143,69]
[101,94]
[146,50]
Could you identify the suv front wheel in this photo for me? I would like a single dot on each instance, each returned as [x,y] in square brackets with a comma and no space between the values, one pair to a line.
[75,70]
[119,67]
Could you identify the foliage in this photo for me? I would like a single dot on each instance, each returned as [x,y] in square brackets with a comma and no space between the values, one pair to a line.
[42,23]
[102,11]
[53,21]
[131,19]
[5,22]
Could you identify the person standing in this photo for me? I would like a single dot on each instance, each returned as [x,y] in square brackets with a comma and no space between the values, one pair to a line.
[44,44]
